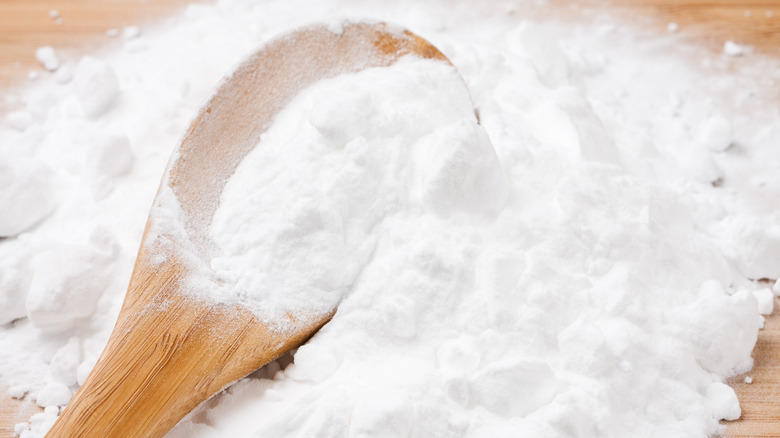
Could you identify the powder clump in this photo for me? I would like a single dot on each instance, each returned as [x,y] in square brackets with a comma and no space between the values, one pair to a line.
[26,194]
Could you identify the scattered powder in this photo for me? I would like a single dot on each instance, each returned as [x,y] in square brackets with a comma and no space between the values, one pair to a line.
[733,49]
[580,263]
[131,32]
[17,391]
[672,27]
[47,57]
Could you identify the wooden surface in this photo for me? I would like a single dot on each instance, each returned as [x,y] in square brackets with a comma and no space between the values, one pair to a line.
[13,411]
[706,22]
[26,25]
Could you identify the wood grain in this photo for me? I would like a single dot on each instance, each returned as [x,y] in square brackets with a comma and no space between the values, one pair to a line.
[706,22]
[167,354]
[26,25]
[13,411]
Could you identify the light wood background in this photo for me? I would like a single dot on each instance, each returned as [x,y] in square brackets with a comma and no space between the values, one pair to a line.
[26,25]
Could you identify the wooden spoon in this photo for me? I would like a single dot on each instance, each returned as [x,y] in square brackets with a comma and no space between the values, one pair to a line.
[170,351]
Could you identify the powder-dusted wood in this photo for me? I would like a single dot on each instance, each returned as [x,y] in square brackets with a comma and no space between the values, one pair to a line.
[13,411]
[170,351]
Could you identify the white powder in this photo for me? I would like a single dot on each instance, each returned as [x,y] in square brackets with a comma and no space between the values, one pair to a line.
[766,301]
[96,86]
[27,190]
[300,219]
[47,57]
[733,49]
[131,32]
[579,264]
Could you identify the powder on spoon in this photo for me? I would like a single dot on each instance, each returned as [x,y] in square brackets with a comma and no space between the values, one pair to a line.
[300,218]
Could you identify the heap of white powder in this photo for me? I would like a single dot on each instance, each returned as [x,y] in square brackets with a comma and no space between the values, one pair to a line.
[347,164]
[579,263]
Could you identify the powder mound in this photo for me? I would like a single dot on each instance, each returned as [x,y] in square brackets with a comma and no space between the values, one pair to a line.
[25,194]
[294,226]
[609,292]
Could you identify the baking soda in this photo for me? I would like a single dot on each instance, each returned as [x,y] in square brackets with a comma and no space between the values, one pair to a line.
[581,262]
[47,57]
[300,219]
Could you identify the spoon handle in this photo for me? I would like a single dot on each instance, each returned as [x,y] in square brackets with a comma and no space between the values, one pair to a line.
[165,356]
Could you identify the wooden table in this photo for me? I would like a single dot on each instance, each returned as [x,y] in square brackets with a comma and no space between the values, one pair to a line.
[26,24]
